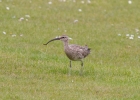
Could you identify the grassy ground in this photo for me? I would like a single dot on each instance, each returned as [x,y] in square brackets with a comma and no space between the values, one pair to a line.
[31,71]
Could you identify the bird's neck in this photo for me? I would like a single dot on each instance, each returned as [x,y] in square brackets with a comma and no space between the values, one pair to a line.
[66,44]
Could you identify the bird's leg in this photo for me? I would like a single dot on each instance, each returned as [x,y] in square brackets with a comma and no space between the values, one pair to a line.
[81,72]
[70,69]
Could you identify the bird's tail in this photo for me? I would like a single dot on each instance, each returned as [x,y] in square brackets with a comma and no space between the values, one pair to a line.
[89,49]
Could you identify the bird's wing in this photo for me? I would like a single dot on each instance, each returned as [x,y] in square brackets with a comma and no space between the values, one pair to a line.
[81,50]
[76,47]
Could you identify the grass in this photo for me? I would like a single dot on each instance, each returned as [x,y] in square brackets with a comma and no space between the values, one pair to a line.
[31,71]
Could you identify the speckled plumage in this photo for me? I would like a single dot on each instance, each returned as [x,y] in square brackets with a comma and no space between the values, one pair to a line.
[74,52]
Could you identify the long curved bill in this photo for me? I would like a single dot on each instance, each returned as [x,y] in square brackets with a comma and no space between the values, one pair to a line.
[57,38]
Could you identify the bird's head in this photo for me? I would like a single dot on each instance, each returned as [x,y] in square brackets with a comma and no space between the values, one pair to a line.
[63,38]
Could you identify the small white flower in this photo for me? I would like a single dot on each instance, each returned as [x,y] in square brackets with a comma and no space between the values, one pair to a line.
[21,19]
[0,0]
[119,34]
[72,81]
[21,35]
[28,16]
[129,1]
[132,35]
[137,30]
[13,35]
[7,8]
[57,36]
[139,37]
[131,38]
[75,21]
[50,3]
[4,33]
[89,1]
[127,35]
[80,10]
[82,2]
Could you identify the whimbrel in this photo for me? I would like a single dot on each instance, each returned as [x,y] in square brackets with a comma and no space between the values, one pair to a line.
[74,52]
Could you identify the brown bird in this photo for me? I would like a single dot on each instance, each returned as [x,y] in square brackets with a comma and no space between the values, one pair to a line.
[74,52]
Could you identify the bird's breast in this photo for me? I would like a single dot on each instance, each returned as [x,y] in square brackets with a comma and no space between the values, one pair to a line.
[73,54]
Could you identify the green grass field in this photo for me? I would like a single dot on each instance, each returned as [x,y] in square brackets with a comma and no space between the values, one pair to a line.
[31,71]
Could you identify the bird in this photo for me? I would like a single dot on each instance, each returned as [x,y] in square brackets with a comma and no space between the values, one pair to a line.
[73,52]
